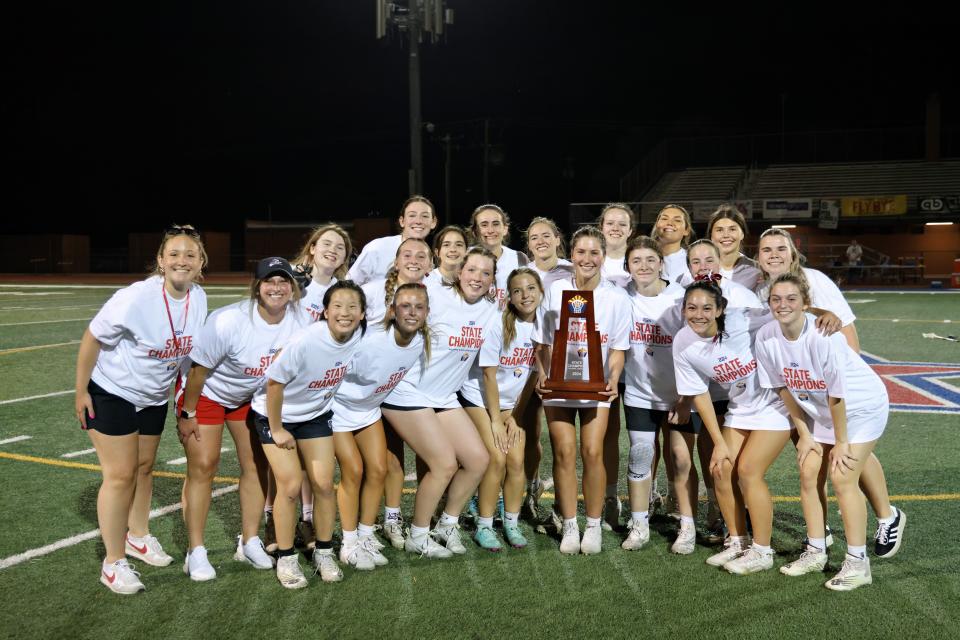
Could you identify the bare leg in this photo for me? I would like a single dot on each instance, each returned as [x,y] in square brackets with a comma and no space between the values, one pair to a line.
[139,518]
[118,462]
[758,453]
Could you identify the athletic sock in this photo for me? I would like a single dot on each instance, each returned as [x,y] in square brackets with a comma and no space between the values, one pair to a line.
[893,516]
[350,537]
[593,522]
[324,544]
[820,544]
[308,513]
[417,533]
[485,522]
[859,552]
[513,519]
[573,521]
[447,520]
[365,530]
[639,516]
[762,548]
[687,519]
[391,513]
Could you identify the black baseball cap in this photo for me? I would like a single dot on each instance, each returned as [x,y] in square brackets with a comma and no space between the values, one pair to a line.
[269,266]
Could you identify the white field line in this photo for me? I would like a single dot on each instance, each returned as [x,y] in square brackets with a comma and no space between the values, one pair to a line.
[21,324]
[30,554]
[177,461]
[15,439]
[77,454]
[45,395]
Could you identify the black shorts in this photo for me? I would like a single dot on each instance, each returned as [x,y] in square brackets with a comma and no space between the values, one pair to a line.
[643,419]
[318,427]
[396,407]
[466,404]
[118,417]
[719,408]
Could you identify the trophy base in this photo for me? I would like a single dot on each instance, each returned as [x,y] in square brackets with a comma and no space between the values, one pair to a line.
[567,390]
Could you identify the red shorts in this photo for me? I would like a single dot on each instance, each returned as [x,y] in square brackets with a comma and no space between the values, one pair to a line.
[210,412]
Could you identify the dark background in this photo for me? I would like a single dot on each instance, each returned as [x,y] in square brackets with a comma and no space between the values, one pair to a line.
[127,117]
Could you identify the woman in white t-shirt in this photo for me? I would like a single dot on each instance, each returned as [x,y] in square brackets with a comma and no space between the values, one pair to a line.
[612,318]
[387,352]
[292,416]
[673,231]
[727,228]
[716,347]
[417,219]
[449,247]
[412,263]
[494,396]
[650,396]
[490,228]
[825,379]
[425,411]
[228,363]
[128,359]
[777,254]
[323,261]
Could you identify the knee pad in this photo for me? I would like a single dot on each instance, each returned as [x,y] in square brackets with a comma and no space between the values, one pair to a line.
[641,457]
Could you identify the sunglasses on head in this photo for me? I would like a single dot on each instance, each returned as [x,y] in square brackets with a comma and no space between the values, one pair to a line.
[176,230]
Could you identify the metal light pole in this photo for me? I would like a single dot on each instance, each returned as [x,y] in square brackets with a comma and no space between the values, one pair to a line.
[413,18]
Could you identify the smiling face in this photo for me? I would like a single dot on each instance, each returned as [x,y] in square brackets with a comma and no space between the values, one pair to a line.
[525,294]
[616,229]
[700,310]
[542,242]
[274,293]
[644,266]
[702,259]
[587,257]
[476,277]
[774,254]
[180,261]
[410,310]
[453,247]
[329,252]
[671,226]
[727,235]
[417,220]
[490,228]
[413,260]
[787,304]
[343,314]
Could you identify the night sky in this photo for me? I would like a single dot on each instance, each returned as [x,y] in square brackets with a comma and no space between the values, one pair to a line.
[128,117]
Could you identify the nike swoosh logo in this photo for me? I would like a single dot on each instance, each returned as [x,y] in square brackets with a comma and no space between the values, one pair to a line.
[142,549]
[110,579]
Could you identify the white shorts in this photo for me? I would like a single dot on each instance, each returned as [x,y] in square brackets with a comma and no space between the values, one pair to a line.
[576,404]
[345,421]
[863,426]
[770,418]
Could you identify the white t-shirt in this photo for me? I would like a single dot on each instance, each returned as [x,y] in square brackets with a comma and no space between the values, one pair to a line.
[509,260]
[237,345]
[377,366]
[375,260]
[514,363]
[436,276]
[139,358]
[312,366]
[675,265]
[824,294]
[814,366]
[376,304]
[613,271]
[612,317]
[648,369]
[312,300]
[457,331]
[562,270]
[729,363]
[737,295]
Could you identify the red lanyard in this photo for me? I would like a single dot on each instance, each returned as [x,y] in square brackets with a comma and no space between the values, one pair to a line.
[186,312]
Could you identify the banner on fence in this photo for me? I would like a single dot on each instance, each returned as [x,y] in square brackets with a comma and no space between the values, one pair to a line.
[829,214]
[873,206]
[939,204]
[784,208]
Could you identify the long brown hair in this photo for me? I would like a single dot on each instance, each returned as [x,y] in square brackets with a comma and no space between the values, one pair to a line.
[561,249]
[510,313]
[390,319]
[687,220]
[305,258]
[173,231]
[475,232]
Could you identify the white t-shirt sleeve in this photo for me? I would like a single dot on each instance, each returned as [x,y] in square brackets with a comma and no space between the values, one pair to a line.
[492,344]
[620,327]
[211,347]
[827,295]
[689,382]
[767,374]
[288,363]
[110,323]
[831,352]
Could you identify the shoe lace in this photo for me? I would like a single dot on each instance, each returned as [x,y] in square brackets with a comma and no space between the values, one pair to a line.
[125,566]
[883,533]
[371,545]
[324,561]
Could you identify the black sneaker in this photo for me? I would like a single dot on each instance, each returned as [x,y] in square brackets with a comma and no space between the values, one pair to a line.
[888,536]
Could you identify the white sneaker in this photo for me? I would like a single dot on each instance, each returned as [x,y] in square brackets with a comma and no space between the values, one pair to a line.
[427,547]
[731,549]
[750,561]
[639,535]
[120,577]
[253,552]
[289,573]
[611,513]
[450,536]
[686,542]
[854,573]
[197,566]
[147,549]
[592,540]
[373,546]
[812,559]
[356,556]
[325,563]
[393,530]
[570,542]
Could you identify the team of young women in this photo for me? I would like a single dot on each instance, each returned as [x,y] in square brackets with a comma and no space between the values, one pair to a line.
[320,368]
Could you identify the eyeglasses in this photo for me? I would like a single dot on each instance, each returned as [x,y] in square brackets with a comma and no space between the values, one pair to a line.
[176,230]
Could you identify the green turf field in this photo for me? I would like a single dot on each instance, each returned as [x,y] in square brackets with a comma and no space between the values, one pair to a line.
[532,593]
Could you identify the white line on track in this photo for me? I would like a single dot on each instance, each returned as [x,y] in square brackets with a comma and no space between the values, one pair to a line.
[21,324]
[30,554]
[77,454]
[45,395]
[15,439]
[176,461]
